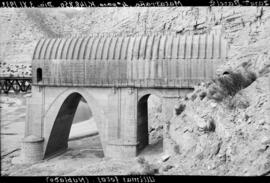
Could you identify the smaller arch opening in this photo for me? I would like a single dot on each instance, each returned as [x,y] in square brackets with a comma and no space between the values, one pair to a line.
[149,125]
[39,75]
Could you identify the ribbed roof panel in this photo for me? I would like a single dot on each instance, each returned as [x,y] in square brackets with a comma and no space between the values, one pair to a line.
[210,46]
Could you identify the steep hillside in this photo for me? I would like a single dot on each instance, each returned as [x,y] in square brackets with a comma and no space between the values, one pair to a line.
[230,136]
[223,127]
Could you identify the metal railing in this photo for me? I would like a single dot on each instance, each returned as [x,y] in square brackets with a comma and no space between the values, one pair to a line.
[15,84]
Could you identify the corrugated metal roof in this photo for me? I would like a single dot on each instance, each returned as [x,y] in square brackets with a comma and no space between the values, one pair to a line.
[148,47]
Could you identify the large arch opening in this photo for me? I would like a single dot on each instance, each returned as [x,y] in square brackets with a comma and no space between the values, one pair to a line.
[74,129]
[149,125]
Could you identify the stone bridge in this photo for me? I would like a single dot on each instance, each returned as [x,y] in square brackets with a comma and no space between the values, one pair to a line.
[115,75]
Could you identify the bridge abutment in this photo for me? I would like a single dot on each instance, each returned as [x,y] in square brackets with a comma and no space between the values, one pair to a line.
[169,99]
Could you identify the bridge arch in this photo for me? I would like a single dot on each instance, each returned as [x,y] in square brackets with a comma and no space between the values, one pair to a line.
[59,117]
[144,92]
[142,122]
[145,122]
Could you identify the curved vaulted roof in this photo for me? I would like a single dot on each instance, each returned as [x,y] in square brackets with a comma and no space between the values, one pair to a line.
[129,48]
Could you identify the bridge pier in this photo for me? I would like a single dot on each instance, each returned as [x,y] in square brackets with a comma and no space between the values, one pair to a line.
[34,117]
[32,149]
[128,125]
[33,141]
[122,129]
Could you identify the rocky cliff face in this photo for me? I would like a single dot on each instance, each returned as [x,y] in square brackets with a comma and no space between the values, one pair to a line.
[21,28]
[228,137]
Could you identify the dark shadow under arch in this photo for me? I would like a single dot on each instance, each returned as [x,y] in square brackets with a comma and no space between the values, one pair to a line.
[58,139]
[149,124]
[142,123]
